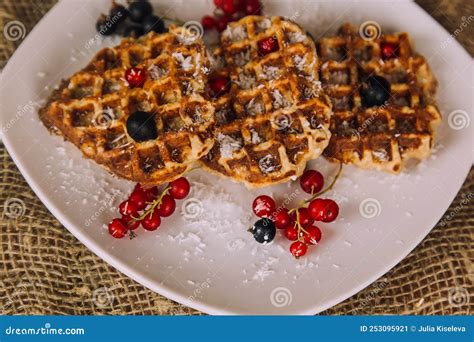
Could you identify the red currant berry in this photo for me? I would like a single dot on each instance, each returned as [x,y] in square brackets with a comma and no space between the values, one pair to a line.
[253,7]
[167,206]
[325,210]
[267,45]
[139,198]
[151,221]
[312,181]
[118,228]
[208,22]
[263,206]
[331,211]
[239,15]
[132,224]
[316,209]
[312,235]
[222,22]
[128,208]
[304,216]
[291,233]
[218,3]
[135,77]
[179,188]
[228,7]
[219,86]
[151,193]
[282,218]
[389,50]
[298,249]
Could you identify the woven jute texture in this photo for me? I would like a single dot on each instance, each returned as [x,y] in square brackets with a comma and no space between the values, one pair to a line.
[46,270]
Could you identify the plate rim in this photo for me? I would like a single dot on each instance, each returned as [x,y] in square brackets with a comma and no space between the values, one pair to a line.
[163,289]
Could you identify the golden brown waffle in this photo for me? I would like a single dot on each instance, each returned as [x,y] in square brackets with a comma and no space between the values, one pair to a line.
[91,108]
[382,137]
[275,116]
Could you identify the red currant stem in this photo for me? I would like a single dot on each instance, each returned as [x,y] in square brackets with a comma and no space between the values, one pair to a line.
[336,177]
[154,204]
[300,228]
[174,20]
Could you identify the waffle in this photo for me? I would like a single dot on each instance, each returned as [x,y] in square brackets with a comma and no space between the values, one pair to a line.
[275,116]
[383,137]
[91,108]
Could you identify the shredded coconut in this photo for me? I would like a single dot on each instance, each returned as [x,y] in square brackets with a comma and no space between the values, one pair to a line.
[228,145]
[255,107]
[267,164]
[246,81]
[185,62]
[235,33]
[156,72]
[279,101]
[255,138]
[271,72]
[296,37]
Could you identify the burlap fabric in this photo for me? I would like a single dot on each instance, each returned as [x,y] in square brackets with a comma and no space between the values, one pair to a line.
[46,270]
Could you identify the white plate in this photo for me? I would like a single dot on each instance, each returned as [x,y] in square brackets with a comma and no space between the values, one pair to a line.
[210,262]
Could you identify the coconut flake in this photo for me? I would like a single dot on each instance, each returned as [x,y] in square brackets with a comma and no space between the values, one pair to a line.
[228,145]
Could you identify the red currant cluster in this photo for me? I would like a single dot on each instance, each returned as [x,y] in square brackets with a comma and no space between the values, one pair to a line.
[146,206]
[230,10]
[297,223]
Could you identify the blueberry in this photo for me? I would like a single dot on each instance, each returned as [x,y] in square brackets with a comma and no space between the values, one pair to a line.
[154,23]
[106,25]
[263,230]
[133,30]
[375,91]
[141,126]
[119,12]
[139,10]
[310,36]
